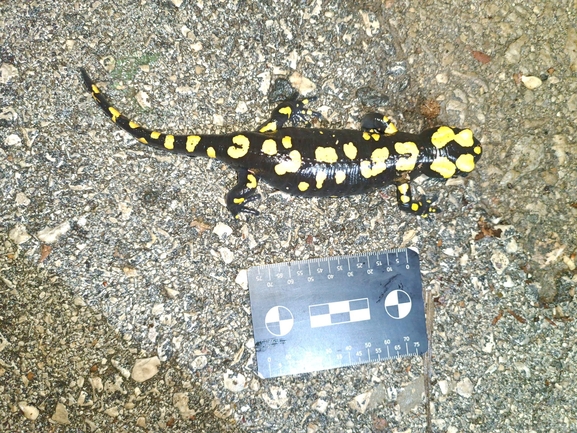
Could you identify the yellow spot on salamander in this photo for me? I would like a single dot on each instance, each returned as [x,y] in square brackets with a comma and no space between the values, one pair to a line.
[326,154]
[287,111]
[95,89]
[443,166]
[169,142]
[442,136]
[391,128]
[376,136]
[403,189]
[238,152]
[269,127]
[238,200]
[210,152]
[415,207]
[366,136]
[290,165]
[406,163]
[287,142]
[154,135]
[252,183]
[445,135]
[133,124]
[465,138]
[366,171]
[350,150]
[377,164]
[465,163]
[115,113]
[191,142]
[379,159]
[269,147]
[142,140]
[320,178]
[477,150]
[340,176]
[303,186]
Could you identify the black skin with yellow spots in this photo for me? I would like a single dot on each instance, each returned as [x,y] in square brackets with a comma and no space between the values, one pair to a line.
[319,162]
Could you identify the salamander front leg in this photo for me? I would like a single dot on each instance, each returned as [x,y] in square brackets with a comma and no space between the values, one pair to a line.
[293,110]
[420,207]
[376,122]
[242,193]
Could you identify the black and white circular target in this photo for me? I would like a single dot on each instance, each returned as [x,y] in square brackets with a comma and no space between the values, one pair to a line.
[398,304]
[279,320]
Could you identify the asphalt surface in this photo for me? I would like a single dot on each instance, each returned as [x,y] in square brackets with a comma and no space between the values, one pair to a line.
[123,305]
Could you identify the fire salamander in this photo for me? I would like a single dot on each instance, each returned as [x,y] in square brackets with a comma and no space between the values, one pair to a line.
[319,162]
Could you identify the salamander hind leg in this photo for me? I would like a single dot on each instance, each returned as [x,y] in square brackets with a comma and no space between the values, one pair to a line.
[293,110]
[242,193]
[420,207]
[378,123]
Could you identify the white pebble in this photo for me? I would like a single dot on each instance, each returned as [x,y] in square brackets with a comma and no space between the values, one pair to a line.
[199,362]
[444,386]
[360,402]
[7,72]
[465,388]
[145,368]
[18,234]
[29,412]
[242,279]
[22,199]
[226,255]
[143,99]
[500,261]
[302,84]
[60,414]
[320,405]
[50,235]
[112,412]
[222,230]
[277,397]
[442,78]
[531,82]
[12,140]
[234,383]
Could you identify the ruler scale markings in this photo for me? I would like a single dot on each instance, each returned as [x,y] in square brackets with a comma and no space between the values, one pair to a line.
[336,321]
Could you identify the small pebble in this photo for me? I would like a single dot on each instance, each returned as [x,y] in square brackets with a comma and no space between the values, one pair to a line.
[143,99]
[302,84]
[29,412]
[320,405]
[360,402]
[500,261]
[60,414]
[234,383]
[465,388]
[7,73]
[51,235]
[112,412]
[145,368]
[199,362]
[226,255]
[276,398]
[222,230]
[18,234]
[531,82]
[12,140]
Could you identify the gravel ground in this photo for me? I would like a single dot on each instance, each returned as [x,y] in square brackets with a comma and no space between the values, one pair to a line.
[121,308]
